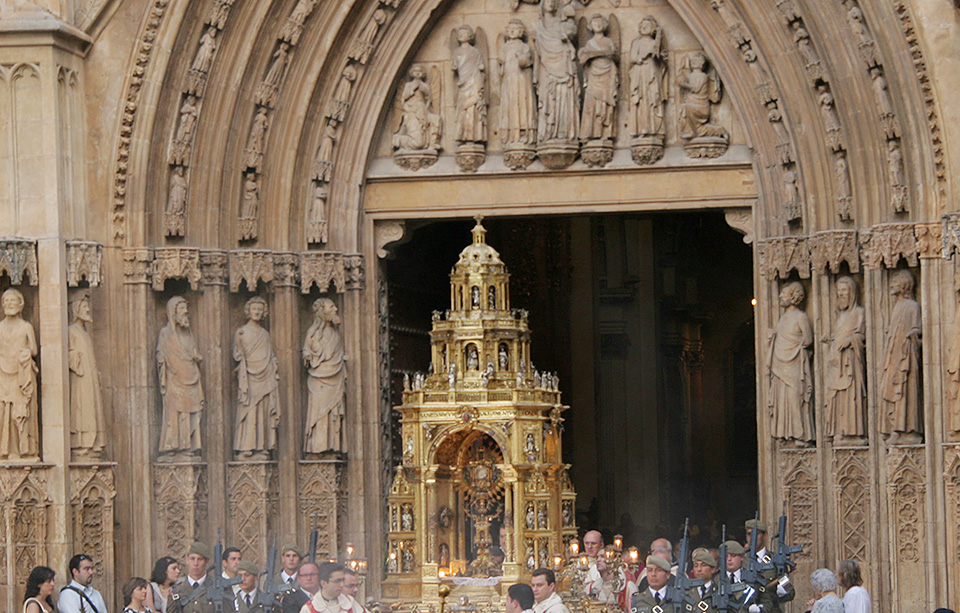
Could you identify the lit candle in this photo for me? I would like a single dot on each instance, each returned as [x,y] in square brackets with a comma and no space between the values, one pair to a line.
[574,547]
[618,542]
[349,550]
[558,561]
[441,574]
[584,563]
[634,555]
[609,554]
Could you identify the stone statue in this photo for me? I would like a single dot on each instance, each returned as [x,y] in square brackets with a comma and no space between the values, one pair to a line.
[267,91]
[518,104]
[844,191]
[180,149]
[87,432]
[857,22]
[531,517]
[802,38]
[503,358]
[325,361]
[558,87]
[258,385]
[469,65]
[206,51]
[253,153]
[881,91]
[362,46]
[647,93]
[249,207]
[317,214]
[419,124]
[340,102]
[178,362]
[473,359]
[790,395]
[825,99]
[600,57]
[900,390]
[487,374]
[19,438]
[846,395]
[324,162]
[699,91]
[176,203]
[898,182]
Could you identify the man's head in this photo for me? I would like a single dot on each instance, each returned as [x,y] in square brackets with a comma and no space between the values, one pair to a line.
[351,583]
[543,582]
[658,572]
[255,309]
[12,301]
[81,568]
[846,293]
[177,312]
[325,309]
[663,548]
[704,564]
[249,573]
[330,575]
[497,556]
[792,294]
[734,556]
[901,284]
[593,543]
[80,308]
[761,528]
[230,561]
[519,598]
[307,577]
[197,559]
[290,558]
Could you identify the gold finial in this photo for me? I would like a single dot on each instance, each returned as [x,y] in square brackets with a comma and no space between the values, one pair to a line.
[479,232]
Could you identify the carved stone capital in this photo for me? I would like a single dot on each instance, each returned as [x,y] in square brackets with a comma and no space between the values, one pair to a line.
[951,233]
[777,257]
[250,266]
[929,239]
[83,262]
[741,220]
[137,265]
[353,265]
[213,267]
[384,233]
[286,269]
[18,258]
[176,263]
[831,248]
[886,243]
[322,268]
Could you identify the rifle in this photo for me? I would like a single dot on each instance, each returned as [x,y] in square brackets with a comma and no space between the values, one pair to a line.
[722,597]
[271,594]
[219,587]
[781,557]
[752,567]
[314,535]
[677,593]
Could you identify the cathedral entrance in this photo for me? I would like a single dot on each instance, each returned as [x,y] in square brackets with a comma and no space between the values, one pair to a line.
[648,322]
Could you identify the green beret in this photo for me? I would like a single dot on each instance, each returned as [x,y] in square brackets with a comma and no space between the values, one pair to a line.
[755,523]
[658,562]
[200,549]
[705,557]
[734,548]
[250,567]
[292,548]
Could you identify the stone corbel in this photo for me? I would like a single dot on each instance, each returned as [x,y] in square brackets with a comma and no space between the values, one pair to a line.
[322,268]
[137,265]
[385,233]
[286,269]
[777,257]
[741,220]
[213,267]
[18,258]
[831,248]
[885,244]
[176,263]
[84,259]
[353,266]
[929,239]
[250,266]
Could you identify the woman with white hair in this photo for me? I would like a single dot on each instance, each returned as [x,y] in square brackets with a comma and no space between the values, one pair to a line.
[824,584]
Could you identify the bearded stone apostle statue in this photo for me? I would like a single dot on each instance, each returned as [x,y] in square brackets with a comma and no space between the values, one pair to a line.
[900,419]
[846,393]
[178,363]
[87,432]
[558,85]
[324,358]
[19,439]
[790,394]
[258,386]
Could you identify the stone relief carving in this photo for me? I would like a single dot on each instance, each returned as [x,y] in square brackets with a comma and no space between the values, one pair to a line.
[253,152]
[269,88]
[321,495]
[558,85]
[176,263]
[417,140]
[599,55]
[293,28]
[19,437]
[253,495]
[250,266]
[845,373]
[518,103]
[213,267]
[887,243]
[174,214]
[92,492]
[647,92]
[828,111]
[323,161]
[178,364]
[362,46]
[324,358]
[881,92]
[18,258]
[811,59]
[831,248]
[900,391]
[699,91]
[182,144]
[249,207]
[777,257]
[844,190]
[929,240]
[87,432]
[317,214]
[258,386]
[197,76]
[218,13]
[791,203]
[898,182]
[469,64]
[340,103]
[801,492]
[180,501]
[853,496]
[790,395]
[84,259]
[322,268]
[906,490]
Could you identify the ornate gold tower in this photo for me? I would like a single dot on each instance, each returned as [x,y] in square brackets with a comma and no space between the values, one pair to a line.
[481,448]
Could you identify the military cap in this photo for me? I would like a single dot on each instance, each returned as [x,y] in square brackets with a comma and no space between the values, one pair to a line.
[293,548]
[755,523]
[705,557]
[658,562]
[200,549]
[734,548]
[250,567]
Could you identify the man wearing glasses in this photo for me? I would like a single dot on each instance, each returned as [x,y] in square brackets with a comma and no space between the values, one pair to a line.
[79,595]
[308,578]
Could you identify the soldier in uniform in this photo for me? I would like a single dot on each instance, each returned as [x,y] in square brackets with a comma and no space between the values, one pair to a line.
[771,590]
[290,558]
[653,598]
[704,567]
[189,595]
[247,598]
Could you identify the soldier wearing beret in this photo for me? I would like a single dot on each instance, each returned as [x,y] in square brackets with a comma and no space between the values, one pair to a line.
[247,599]
[704,567]
[189,595]
[653,598]
[290,557]
[771,589]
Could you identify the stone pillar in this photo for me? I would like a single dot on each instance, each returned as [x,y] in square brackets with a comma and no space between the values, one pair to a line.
[321,503]
[180,504]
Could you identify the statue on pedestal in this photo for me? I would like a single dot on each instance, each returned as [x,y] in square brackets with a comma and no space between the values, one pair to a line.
[258,386]
[19,438]
[900,391]
[790,395]
[178,363]
[846,416]
[324,358]
[87,435]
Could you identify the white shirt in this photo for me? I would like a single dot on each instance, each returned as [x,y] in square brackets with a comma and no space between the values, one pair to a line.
[705,588]
[598,588]
[736,575]
[856,600]
[662,593]
[236,588]
[72,602]
[551,604]
[322,605]
[286,578]
[198,582]
[761,554]
[252,595]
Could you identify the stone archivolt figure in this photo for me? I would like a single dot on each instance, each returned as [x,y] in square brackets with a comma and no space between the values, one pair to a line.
[325,361]
[469,64]
[647,70]
[419,124]
[518,104]
[599,54]
[18,381]
[699,91]
[258,385]
[790,394]
[176,203]
[900,381]
[558,96]
[178,363]
[87,436]
[845,380]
